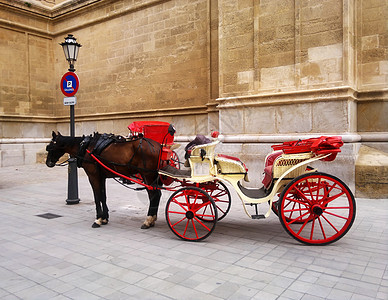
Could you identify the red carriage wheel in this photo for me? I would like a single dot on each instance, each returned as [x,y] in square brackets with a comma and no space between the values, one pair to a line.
[275,201]
[221,196]
[174,160]
[297,214]
[317,208]
[186,211]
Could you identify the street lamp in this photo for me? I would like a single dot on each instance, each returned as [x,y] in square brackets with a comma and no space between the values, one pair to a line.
[70,48]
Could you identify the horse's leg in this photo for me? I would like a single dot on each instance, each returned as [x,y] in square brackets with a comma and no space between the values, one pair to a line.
[154,196]
[98,186]
[105,210]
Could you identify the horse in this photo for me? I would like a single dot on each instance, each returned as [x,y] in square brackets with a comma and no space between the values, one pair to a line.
[127,157]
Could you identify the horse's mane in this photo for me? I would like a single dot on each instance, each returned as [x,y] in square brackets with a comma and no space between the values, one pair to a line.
[69,140]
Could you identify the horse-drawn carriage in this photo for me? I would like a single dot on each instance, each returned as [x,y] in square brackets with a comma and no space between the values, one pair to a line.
[313,207]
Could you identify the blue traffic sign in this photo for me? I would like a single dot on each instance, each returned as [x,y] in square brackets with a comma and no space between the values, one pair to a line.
[69,84]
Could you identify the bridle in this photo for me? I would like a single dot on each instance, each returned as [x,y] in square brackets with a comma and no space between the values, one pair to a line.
[50,147]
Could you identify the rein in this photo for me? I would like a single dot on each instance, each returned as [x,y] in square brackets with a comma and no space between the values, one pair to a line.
[149,187]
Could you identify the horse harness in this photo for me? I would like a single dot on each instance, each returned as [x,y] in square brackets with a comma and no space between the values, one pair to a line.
[102,141]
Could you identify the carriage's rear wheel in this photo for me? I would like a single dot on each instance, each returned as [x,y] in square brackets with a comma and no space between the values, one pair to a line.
[186,212]
[275,201]
[174,160]
[317,208]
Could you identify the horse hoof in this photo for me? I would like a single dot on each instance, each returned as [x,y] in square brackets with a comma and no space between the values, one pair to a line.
[144,226]
[149,222]
[104,222]
[95,225]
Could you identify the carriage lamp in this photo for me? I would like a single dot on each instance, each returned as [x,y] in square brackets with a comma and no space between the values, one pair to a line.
[70,48]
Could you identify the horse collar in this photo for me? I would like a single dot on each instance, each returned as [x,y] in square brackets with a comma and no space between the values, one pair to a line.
[82,150]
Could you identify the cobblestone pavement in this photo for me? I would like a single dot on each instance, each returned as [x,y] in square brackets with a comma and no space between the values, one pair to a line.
[65,258]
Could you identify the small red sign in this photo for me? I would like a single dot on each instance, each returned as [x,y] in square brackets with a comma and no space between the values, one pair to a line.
[69,84]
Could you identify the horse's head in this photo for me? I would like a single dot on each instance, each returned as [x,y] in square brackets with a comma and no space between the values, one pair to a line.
[55,150]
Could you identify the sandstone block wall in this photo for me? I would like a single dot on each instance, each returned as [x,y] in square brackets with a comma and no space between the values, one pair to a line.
[259,71]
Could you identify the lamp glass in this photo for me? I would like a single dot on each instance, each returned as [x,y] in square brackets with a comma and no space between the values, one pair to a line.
[66,51]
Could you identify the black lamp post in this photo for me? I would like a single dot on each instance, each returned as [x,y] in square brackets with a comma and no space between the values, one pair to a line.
[71,48]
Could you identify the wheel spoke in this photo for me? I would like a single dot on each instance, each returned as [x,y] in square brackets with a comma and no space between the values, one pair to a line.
[195,200]
[330,223]
[299,218]
[220,209]
[173,225]
[322,230]
[180,204]
[292,200]
[195,229]
[203,205]
[310,190]
[332,198]
[303,226]
[318,189]
[335,215]
[187,226]
[312,230]
[293,210]
[199,221]
[176,212]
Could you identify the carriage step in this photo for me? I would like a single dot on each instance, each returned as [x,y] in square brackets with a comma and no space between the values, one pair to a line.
[258,216]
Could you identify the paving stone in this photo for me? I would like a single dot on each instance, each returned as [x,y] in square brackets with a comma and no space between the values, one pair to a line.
[64,258]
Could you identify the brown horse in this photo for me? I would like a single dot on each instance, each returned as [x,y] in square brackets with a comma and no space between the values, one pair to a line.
[138,156]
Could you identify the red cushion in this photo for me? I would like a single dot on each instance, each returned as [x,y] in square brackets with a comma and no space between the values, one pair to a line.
[270,159]
[233,158]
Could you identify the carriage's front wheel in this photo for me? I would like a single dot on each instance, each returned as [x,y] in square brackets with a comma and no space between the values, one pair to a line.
[186,211]
[317,208]
[221,196]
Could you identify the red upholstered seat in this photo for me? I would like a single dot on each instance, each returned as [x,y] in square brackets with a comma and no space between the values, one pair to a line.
[233,158]
[228,157]
[270,159]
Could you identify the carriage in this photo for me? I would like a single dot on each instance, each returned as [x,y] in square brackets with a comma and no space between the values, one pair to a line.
[313,207]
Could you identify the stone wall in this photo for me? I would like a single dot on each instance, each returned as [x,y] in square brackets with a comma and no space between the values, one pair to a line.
[140,59]
[261,72]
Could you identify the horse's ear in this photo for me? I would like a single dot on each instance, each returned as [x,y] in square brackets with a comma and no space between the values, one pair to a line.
[54,135]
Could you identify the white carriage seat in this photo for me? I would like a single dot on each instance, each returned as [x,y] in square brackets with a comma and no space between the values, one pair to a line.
[201,163]
[229,165]
[209,148]
[201,159]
